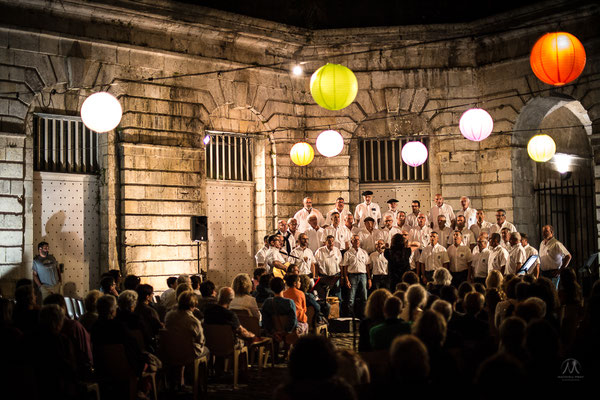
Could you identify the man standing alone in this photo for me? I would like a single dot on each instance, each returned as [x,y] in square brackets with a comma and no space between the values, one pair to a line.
[46,273]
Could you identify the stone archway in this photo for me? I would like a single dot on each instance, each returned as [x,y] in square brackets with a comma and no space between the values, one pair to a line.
[542,194]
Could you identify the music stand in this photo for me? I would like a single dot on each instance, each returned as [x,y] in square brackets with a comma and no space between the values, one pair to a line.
[324,284]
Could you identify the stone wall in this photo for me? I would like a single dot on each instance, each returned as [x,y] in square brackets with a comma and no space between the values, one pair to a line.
[232,73]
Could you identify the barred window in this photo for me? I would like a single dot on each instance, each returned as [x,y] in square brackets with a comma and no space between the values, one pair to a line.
[381,161]
[229,157]
[64,144]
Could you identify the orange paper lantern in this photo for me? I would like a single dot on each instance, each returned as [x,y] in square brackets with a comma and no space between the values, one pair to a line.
[557,58]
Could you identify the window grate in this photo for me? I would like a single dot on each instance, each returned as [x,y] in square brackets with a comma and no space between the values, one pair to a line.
[64,144]
[381,161]
[229,157]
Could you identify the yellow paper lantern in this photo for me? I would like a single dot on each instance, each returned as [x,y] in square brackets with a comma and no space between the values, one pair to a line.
[541,148]
[333,86]
[302,154]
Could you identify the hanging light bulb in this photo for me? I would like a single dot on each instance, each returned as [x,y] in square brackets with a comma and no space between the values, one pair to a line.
[101,112]
[330,143]
[414,153]
[302,154]
[562,162]
[541,148]
[476,124]
[297,70]
[206,140]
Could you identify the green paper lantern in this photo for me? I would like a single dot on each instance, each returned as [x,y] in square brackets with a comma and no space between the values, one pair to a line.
[333,86]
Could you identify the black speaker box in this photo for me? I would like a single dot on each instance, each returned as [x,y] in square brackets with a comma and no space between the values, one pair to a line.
[199,228]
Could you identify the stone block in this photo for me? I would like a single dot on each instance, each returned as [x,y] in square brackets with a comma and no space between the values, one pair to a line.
[11,238]
[4,187]
[14,255]
[496,189]
[10,205]
[16,188]
[12,221]
[11,170]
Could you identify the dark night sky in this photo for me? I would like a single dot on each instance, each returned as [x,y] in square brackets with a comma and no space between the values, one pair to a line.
[327,14]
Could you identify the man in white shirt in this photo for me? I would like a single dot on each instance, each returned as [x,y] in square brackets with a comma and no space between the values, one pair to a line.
[335,229]
[460,259]
[262,253]
[501,222]
[481,226]
[441,208]
[377,268]
[274,259]
[328,260]
[395,230]
[481,257]
[401,222]
[289,242]
[303,257]
[505,235]
[302,215]
[469,213]
[412,218]
[432,257]
[354,279]
[388,229]
[369,236]
[468,238]
[530,251]
[315,234]
[392,210]
[553,255]
[499,258]
[345,233]
[293,229]
[516,253]
[419,235]
[444,231]
[367,209]
[339,208]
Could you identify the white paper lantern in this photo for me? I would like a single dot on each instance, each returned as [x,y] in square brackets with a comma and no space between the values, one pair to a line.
[101,112]
[414,153]
[476,124]
[330,143]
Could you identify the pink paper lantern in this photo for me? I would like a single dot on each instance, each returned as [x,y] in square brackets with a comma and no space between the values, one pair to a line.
[476,124]
[414,153]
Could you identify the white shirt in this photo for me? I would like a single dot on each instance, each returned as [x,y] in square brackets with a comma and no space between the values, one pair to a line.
[434,257]
[421,235]
[344,237]
[393,213]
[316,237]
[460,257]
[342,213]
[468,238]
[368,240]
[506,245]
[274,255]
[470,215]
[305,259]
[379,264]
[517,256]
[363,211]
[445,236]
[411,220]
[480,262]
[477,230]
[328,261]
[552,254]
[302,218]
[261,255]
[393,232]
[356,261]
[499,258]
[531,251]
[445,210]
[498,229]
[339,234]
[290,238]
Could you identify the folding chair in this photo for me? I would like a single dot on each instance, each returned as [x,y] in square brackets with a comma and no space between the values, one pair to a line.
[70,308]
[80,306]
[119,369]
[222,342]
[177,355]
[264,346]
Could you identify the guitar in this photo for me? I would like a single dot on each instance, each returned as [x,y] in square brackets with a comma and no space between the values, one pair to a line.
[279,272]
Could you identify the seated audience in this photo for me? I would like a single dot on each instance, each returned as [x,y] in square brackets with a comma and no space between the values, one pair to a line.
[263,290]
[410,361]
[220,314]
[89,318]
[374,315]
[148,315]
[131,282]
[209,295]
[242,287]
[278,305]
[416,298]
[182,323]
[383,335]
[293,293]
[109,286]
[26,311]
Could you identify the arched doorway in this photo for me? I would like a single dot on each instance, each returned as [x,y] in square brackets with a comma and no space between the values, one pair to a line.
[559,192]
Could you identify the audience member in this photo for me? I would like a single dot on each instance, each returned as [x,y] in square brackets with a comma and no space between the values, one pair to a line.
[184,326]
[131,282]
[263,291]
[410,361]
[293,293]
[382,335]
[373,316]
[89,318]
[416,298]
[209,295]
[242,287]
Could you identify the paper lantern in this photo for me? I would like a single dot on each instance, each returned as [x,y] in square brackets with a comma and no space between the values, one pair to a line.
[101,112]
[333,86]
[557,58]
[330,143]
[476,124]
[302,154]
[541,148]
[414,153]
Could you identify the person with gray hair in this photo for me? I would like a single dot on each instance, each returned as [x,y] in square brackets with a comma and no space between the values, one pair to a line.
[442,277]
[302,215]
[127,302]
[444,308]
[517,255]
[170,300]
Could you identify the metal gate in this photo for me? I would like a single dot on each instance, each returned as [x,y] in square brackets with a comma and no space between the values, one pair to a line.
[569,207]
